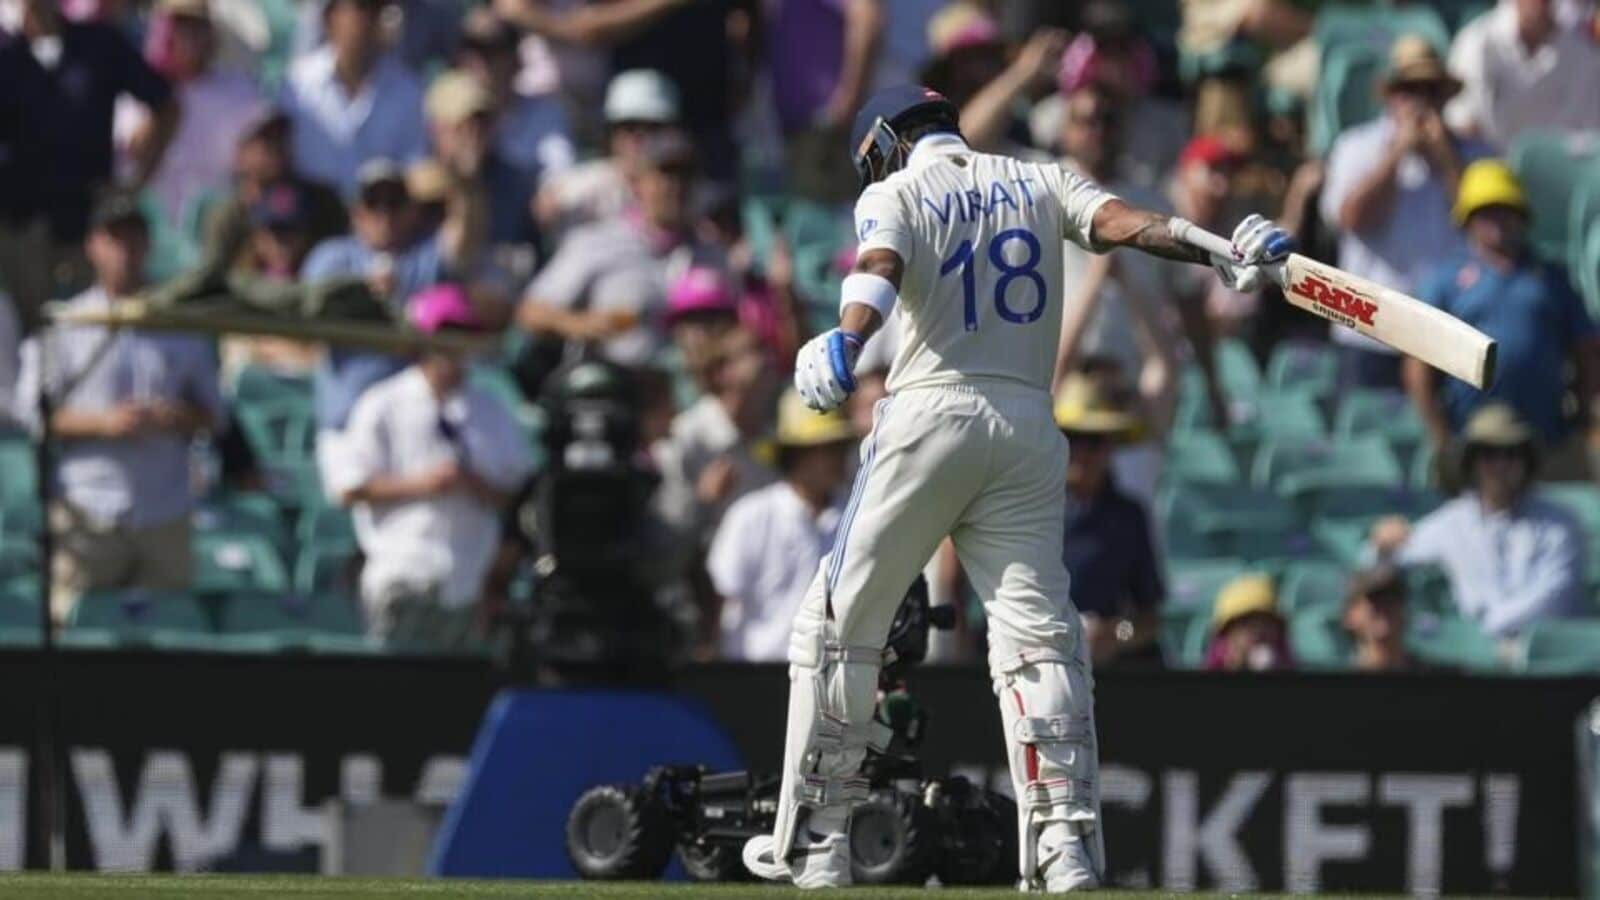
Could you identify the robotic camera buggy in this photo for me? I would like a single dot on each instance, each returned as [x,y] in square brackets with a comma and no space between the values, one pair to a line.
[910,827]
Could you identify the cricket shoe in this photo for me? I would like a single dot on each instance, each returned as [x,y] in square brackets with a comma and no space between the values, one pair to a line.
[815,860]
[1068,864]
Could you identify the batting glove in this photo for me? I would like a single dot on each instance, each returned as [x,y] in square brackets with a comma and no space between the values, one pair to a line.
[824,370]
[1257,241]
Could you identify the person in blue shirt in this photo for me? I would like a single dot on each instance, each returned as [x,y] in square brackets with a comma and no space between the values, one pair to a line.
[1529,307]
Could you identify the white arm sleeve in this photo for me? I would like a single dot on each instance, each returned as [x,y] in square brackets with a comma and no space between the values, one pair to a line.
[883,224]
[1080,199]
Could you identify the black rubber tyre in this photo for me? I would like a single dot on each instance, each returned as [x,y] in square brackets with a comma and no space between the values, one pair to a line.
[892,840]
[616,831]
[713,862]
[988,832]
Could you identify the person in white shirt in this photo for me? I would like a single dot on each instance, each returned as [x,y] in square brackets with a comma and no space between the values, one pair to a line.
[771,540]
[219,106]
[428,463]
[126,406]
[350,101]
[1520,70]
[639,103]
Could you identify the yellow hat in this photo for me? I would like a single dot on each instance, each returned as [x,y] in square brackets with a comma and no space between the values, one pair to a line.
[801,426]
[1245,595]
[1488,182]
[427,181]
[454,97]
[1413,59]
[194,9]
[1088,405]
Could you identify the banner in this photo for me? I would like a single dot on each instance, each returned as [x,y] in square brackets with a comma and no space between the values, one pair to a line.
[1278,782]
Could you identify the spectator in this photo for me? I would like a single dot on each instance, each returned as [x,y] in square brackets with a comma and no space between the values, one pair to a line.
[701,311]
[61,83]
[384,249]
[261,166]
[1248,632]
[430,463]
[1529,308]
[1389,187]
[607,283]
[1512,557]
[532,133]
[1200,193]
[639,105]
[822,54]
[1522,71]
[462,123]
[966,51]
[350,101]
[717,444]
[126,407]
[428,34]
[218,107]
[1375,617]
[281,236]
[1116,578]
[990,119]
[770,542]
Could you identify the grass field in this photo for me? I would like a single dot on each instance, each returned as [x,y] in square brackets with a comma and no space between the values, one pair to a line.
[247,887]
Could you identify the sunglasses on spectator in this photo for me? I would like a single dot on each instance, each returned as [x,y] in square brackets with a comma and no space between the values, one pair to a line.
[1103,118]
[1496,452]
[1088,440]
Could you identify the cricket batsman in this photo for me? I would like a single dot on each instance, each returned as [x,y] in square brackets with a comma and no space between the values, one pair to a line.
[965,248]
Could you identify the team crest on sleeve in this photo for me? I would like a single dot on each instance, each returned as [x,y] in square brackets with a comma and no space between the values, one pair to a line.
[867,227]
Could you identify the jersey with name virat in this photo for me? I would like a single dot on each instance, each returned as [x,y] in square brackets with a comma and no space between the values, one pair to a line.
[981,239]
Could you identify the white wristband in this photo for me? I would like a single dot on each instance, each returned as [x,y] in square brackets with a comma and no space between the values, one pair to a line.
[868,290]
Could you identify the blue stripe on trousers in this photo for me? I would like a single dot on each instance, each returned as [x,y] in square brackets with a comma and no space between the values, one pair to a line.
[836,565]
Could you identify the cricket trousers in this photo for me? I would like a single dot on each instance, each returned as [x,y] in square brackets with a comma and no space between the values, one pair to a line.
[985,465]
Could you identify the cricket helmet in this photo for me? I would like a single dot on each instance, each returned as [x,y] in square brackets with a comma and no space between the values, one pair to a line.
[875,144]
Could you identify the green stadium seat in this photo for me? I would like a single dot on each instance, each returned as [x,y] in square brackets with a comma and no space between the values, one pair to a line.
[1200,457]
[1237,369]
[1195,583]
[327,566]
[290,618]
[1365,503]
[325,524]
[1303,367]
[281,432]
[1346,92]
[1583,239]
[171,251]
[225,562]
[1190,649]
[1561,647]
[1225,508]
[1428,591]
[1302,467]
[18,557]
[1312,585]
[19,474]
[1378,25]
[1581,498]
[134,617]
[1378,413]
[258,386]
[1550,165]
[239,512]
[1449,640]
[1318,640]
[1274,549]
[1458,13]
[1344,542]
[19,613]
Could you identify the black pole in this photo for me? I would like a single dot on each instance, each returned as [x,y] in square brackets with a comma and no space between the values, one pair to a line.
[50,833]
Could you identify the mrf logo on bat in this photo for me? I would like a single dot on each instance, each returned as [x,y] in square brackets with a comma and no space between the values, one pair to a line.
[1337,303]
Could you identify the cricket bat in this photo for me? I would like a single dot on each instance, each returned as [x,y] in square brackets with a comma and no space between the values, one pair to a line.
[1381,313]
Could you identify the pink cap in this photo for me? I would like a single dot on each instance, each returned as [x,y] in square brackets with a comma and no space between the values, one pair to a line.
[1086,62]
[701,289]
[441,306]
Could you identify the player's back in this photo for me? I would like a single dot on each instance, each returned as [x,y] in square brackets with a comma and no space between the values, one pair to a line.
[981,295]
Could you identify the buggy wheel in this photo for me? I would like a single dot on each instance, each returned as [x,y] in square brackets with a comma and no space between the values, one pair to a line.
[712,862]
[987,836]
[618,832]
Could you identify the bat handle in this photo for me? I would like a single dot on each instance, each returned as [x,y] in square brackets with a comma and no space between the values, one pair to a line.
[1214,244]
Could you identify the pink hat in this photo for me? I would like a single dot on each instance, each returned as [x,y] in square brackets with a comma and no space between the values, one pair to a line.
[442,306]
[1085,62]
[701,289]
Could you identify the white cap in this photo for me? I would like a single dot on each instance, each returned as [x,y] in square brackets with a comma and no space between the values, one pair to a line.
[641,95]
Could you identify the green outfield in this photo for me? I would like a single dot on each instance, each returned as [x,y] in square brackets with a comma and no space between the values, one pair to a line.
[258,887]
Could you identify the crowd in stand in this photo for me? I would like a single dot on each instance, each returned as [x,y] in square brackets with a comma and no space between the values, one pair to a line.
[665,185]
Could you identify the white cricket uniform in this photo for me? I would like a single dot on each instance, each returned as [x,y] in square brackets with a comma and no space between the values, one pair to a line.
[964,445]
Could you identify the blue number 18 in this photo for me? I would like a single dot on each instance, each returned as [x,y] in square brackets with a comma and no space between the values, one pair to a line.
[1029,269]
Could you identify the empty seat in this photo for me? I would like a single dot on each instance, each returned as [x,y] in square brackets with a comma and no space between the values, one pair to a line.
[327,566]
[1308,585]
[1449,640]
[1201,457]
[172,619]
[1550,165]
[19,474]
[1561,647]
[1377,413]
[290,617]
[1303,367]
[261,386]
[1302,466]
[1317,638]
[237,561]
[242,512]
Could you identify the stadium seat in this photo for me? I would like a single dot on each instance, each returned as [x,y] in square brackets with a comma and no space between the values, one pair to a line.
[1378,25]
[1458,13]
[327,566]
[163,619]
[1344,542]
[281,432]
[1581,498]
[1200,457]
[1560,647]
[1377,413]
[1346,92]
[1318,640]
[1303,367]
[1237,369]
[258,385]
[286,621]
[1449,640]
[1428,591]
[325,524]
[1550,165]
[1312,585]
[1302,467]
[228,561]
[242,511]
[1583,239]
[19,613]
[19,475]
[1223,509]
[1273,549]
[1195,583]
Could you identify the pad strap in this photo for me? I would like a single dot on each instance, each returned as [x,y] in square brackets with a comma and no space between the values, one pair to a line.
[1062,729]
[821,791]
